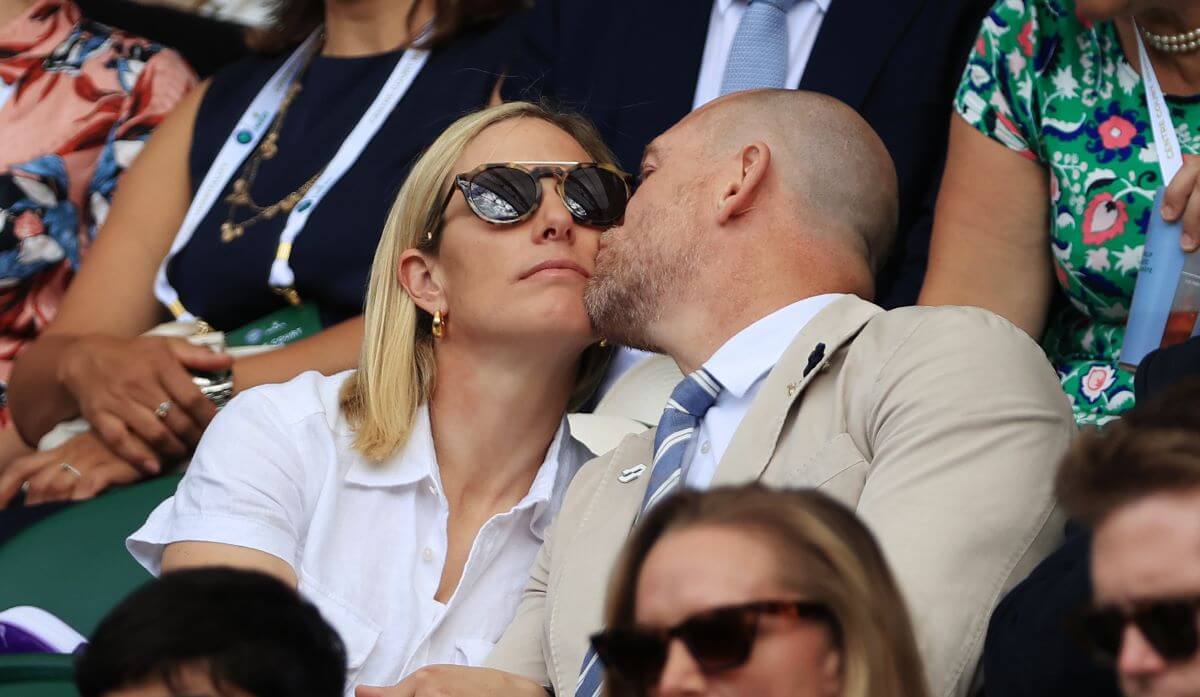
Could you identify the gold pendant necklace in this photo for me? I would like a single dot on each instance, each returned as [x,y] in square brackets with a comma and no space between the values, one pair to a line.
[239,196]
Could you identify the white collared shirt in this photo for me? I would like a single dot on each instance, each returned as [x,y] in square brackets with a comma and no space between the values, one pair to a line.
[741,365]
[276,472]
[804,22]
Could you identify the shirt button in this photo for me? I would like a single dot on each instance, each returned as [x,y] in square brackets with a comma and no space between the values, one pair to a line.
[427,555]
[705,447]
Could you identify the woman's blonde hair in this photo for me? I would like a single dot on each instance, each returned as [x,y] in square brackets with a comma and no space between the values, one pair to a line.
[396,369]
[823,553]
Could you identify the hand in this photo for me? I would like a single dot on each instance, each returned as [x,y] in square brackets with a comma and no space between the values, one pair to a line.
[49,481]
[1182,201]
[120,383]
[457,681]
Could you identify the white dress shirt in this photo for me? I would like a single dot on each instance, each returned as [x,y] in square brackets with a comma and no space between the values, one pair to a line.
[276,472]
[804,21]
[741,365]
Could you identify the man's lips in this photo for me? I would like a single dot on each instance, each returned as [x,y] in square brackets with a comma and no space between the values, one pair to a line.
[557,265]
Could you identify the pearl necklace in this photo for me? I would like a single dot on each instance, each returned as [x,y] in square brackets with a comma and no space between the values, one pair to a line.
[1173,43]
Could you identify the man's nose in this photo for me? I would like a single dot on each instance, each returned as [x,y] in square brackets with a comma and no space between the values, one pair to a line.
[681,674]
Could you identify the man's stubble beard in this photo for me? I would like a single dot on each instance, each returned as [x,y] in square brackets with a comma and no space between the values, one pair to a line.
[633,285]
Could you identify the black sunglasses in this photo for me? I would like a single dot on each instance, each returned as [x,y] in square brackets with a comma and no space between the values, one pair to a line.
[1168,625]
[718,639]
[509,192]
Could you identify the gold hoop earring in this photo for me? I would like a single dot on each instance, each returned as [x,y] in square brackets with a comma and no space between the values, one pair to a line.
[604,343]
[439,325]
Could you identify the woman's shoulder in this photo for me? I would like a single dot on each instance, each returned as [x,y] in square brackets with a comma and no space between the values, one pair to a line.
[1037,30]
[307,396]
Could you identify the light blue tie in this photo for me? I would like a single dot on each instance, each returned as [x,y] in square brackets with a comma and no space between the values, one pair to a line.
[692,398]
[758,56]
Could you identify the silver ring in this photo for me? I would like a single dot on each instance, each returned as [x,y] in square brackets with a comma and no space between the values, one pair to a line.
[25,486]
[164,409]
[68,467]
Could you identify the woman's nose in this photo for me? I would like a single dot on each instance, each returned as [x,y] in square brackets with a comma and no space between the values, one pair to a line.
[1136,656]
[552,222]
[681,674]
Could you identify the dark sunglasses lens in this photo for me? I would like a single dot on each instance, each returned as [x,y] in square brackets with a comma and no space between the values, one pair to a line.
[1169,627]
[501,194]
[634,657]
[1102,630]
[595,196]
[720,640]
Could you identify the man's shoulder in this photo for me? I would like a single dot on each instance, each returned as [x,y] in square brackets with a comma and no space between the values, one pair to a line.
[949,325]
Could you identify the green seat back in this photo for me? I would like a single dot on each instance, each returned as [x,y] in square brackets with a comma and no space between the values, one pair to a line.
[73,564]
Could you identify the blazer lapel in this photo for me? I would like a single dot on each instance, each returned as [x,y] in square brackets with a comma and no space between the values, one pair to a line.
[850,52]
[754,441]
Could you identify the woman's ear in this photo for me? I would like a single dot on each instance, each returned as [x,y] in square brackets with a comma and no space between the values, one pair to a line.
[415,273]
[743,188]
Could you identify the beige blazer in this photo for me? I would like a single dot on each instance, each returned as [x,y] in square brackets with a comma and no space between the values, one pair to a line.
[942,427]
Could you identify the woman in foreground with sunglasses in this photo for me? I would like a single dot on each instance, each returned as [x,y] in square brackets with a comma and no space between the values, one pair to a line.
[753,592]
[407,499]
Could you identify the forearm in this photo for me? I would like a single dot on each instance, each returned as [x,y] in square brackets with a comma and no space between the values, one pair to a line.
[37,394]
[331,351]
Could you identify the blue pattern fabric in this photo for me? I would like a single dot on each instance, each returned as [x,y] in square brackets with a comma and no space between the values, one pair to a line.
[758,56]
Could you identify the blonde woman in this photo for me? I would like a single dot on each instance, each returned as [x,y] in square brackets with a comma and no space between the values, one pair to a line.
[751,592]
[408,499]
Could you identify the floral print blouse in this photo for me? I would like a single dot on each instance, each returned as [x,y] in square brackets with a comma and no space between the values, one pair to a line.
[82,99]
[1059,90]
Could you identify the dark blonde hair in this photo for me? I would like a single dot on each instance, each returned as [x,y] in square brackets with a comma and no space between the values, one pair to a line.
[294,20]
[395,374]
[823,552]
[1153,449]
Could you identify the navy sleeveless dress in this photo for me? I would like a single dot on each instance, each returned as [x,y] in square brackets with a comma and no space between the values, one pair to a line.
[226,284]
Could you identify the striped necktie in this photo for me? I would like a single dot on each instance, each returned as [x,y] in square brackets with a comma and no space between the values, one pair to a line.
[758,56]
[692,398]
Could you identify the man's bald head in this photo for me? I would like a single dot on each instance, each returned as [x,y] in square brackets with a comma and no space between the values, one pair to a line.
[827,157]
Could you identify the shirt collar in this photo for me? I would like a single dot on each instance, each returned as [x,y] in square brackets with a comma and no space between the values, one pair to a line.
[417,462]
[753,352]
[724,5]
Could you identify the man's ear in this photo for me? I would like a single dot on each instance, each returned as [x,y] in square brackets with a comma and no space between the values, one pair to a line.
[742,190]
[416,276]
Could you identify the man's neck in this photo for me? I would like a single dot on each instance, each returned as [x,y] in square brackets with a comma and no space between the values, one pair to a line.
[12,9]
[494,411]
[368,27]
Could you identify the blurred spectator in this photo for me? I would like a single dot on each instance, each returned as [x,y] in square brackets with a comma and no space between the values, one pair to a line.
[752,592]
[252,13]
[637,67]
[1051,176]
[1029,652]
[314,163]
[408,498]
[217,631]
[1137,484]
[77,101]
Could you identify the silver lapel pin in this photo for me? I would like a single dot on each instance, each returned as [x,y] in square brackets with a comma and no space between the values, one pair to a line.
[630,473]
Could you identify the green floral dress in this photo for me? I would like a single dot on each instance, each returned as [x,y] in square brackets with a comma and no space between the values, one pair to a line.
[1058,90]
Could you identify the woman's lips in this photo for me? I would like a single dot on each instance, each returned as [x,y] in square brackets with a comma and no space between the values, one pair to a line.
[557,266]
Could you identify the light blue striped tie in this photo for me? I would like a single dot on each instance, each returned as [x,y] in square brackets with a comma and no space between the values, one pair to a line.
[680,420]
[758,56]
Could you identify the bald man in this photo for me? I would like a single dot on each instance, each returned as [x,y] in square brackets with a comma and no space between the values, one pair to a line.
[747,256]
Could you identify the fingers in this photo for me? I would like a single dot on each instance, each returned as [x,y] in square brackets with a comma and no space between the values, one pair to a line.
[125,444]
[52,483]
[1180,188]
[200,358]
[189,401]
[1191,221]
[103,476]
[17,473]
